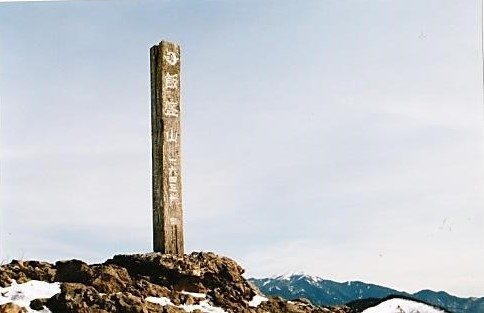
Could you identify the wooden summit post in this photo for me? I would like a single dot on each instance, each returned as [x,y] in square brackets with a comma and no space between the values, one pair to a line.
[165,144]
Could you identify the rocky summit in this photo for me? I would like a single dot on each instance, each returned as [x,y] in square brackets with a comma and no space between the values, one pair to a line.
[152,282]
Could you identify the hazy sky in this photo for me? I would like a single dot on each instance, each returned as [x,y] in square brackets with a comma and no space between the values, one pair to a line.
[339,138]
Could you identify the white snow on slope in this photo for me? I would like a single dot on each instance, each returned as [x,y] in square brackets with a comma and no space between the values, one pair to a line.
[159,300]
[257,300]
[203,306]
[290,275]
[194,294]
[402,306]
[22,294]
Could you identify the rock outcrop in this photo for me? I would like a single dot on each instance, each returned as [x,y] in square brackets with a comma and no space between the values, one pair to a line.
[199,282]
[11,308]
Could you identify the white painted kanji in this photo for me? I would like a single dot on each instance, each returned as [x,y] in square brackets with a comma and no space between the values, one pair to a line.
[171,81]
[171,109]
[171,58]
[171,136]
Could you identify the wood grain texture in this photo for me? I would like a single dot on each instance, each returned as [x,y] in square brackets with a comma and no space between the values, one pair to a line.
[166,148]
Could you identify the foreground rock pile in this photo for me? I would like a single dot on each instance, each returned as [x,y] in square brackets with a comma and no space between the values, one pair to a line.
[199,282]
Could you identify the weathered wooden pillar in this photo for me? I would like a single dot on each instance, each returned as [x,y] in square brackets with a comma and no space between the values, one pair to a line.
[166,146]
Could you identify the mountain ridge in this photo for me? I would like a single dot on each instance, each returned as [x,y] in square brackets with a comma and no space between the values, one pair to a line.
[323,291]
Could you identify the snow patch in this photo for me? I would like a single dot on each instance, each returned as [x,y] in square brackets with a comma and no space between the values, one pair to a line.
[23,294]
[300,275]
[402,306]
[159,300]
[194,294]
[257,300]
[203,306]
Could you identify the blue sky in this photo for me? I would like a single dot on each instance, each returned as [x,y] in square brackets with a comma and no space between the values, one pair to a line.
[343,139]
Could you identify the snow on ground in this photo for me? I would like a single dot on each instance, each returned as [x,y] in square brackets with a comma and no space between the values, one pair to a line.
[257,300]
[159,300]
[402,306]
[194,294]
[22,294]
[203,306]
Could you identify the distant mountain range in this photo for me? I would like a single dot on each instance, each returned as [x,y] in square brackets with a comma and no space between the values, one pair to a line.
[329,293]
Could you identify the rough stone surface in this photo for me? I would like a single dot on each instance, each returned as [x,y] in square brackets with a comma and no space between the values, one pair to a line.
[121,285]
[23,271]
[11,308]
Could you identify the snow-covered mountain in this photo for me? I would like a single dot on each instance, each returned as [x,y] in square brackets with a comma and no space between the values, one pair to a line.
[326,292]
[398,305]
